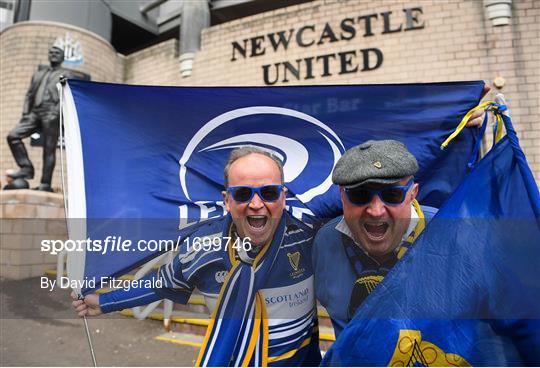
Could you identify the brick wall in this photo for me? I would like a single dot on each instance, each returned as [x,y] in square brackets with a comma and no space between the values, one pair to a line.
[155,65]
[23,47]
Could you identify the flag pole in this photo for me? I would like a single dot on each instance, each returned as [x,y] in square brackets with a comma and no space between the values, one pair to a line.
[60,86]
[89,338]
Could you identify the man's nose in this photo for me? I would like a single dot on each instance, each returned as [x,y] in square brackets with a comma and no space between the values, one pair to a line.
[256,202]
[376,207]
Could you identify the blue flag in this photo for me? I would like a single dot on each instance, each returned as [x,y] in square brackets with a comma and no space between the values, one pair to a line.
[468,291]
[146,163]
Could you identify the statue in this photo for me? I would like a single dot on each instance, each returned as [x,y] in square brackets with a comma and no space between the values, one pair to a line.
[41,113]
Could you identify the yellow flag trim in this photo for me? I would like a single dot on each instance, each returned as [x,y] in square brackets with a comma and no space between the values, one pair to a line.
[464,121]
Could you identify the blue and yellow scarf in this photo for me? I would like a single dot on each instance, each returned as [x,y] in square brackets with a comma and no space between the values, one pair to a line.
[238,332]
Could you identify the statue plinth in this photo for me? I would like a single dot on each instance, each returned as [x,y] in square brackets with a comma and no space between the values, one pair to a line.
[28,217]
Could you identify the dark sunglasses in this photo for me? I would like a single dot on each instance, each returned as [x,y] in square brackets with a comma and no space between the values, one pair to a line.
[268,193]
[391,196]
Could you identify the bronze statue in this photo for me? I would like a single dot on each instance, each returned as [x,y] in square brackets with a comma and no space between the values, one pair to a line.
[40,114]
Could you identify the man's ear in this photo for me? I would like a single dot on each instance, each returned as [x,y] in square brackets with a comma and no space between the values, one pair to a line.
[342,194]
[225,196]
[414,191]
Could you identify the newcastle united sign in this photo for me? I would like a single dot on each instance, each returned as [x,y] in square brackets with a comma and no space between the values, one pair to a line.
[328,64]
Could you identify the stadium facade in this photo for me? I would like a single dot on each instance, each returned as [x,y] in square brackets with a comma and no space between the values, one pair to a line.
[277,43]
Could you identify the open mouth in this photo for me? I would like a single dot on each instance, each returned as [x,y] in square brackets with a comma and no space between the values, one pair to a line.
[376,230]
[257,222]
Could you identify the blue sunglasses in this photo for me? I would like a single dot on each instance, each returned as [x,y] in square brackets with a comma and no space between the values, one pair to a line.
[243,194]
[392,196]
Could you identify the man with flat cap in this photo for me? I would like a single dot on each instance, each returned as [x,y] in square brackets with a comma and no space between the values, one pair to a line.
[381,219]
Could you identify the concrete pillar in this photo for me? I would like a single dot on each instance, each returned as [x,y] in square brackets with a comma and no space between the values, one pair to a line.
[195,18]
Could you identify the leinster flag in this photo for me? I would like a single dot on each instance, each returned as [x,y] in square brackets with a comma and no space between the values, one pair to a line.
[468,291]
[145,164]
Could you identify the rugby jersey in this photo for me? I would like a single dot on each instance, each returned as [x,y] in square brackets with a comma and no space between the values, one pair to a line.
[288,292]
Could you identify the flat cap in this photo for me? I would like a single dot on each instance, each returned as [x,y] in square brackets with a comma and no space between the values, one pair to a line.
[383,162]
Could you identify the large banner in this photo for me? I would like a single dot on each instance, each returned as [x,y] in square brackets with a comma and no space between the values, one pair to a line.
[147,162]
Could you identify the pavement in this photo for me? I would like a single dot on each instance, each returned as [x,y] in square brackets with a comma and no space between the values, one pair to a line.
[38,327]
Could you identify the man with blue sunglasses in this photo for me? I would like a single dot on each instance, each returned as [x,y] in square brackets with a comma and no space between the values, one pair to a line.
[381,218]
[264,310]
